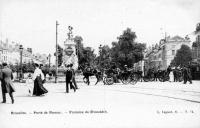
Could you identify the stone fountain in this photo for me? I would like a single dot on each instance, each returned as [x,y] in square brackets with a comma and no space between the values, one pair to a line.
[69,51]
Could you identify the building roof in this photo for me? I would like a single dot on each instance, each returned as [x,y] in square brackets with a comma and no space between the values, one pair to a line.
[176,38]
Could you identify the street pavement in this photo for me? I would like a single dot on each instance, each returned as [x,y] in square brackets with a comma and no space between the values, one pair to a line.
[143,105]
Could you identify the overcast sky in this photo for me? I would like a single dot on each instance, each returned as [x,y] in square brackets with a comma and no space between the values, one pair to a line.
[32,22]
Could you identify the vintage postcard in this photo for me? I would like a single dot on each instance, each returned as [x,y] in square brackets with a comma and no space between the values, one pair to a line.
[100,64]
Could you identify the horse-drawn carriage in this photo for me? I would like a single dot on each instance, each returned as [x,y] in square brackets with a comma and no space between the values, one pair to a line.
[116,75]
[110,76]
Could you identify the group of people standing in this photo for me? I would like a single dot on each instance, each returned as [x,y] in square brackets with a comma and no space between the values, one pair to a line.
[38,78]
[176,73]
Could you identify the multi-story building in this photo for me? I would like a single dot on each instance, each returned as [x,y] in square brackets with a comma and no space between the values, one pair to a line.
[170,47]
[10,53]
[195,65]
[196,45]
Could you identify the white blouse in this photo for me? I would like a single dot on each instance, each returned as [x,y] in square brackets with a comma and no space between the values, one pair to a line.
[38,72]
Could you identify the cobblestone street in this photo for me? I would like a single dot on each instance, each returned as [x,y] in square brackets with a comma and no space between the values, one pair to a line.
[146,104]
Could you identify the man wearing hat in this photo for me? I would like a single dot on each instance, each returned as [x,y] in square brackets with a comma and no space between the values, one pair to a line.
[6,77]
[187,75]
[73,61]
[69,78]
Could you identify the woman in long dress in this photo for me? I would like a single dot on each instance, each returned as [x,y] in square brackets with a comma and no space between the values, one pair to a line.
[171,76]
[38,78]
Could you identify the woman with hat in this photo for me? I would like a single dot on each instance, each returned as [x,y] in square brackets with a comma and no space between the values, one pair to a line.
[38,78]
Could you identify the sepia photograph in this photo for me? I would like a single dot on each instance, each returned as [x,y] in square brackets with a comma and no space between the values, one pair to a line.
[100,64]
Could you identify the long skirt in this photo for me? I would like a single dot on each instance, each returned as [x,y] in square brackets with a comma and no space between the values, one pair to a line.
[171,77]
[38,87]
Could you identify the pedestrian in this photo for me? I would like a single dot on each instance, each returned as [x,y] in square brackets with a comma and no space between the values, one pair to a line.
[175,73]
[69,78]
[187,75]
[169,69]
[155,72]
[38,78]
[73,78]
[7,86]
[29,84]
[72,60]
[171,76]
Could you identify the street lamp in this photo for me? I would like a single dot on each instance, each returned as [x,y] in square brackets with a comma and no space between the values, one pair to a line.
[16,65]
[21,52]
[100,56]
[56,73]
[100,52]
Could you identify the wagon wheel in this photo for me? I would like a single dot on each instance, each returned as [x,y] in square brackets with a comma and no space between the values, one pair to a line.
[152,78]
[126,80]
[86,81]
[161,79]
[109,80]
[146,79]
[134,79]
[167,78]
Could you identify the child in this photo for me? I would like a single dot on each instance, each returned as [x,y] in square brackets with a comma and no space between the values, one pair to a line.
[29,84]
[69,77]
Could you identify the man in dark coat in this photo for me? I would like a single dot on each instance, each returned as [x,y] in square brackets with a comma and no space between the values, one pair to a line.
[73,78]
[69,79]
[169,69]
[6,77]
[187,75]
[175,72]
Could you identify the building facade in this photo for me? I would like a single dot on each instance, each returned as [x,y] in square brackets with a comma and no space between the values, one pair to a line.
[161,55]
[10,53]
[196,45]
[195,65]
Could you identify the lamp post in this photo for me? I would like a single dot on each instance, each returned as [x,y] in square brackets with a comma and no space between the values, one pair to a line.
[16,63]
[21,52]
[100,52]
[56,75]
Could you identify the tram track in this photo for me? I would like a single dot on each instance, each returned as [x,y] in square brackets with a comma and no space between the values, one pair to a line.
[165,93]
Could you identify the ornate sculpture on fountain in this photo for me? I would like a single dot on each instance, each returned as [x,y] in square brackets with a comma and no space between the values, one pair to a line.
[69,55]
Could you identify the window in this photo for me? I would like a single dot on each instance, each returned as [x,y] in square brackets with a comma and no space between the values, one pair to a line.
[173,52]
